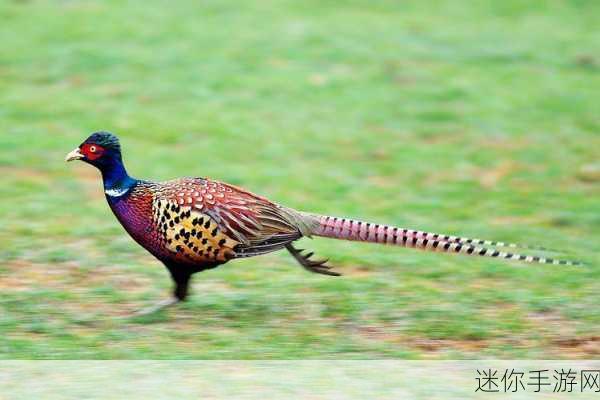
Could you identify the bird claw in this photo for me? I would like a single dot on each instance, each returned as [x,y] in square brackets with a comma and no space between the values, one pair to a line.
[317,266]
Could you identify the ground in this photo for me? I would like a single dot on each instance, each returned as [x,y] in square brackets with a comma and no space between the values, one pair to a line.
[471,118]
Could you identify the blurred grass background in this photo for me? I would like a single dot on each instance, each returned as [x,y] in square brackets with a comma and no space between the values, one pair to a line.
[478,118]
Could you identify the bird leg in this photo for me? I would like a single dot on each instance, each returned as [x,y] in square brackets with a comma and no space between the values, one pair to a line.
[180,292]
[318,266]
[156,307]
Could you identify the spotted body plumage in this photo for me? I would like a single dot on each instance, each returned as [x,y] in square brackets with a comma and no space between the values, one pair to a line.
[190,235]
[193,224]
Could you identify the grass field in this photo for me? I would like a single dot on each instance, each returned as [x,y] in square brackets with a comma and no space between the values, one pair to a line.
[478,118]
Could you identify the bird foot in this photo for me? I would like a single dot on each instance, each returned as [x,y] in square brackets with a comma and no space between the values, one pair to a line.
[156,307]
[317,266]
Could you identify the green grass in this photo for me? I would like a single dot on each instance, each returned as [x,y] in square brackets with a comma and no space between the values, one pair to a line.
[478,118]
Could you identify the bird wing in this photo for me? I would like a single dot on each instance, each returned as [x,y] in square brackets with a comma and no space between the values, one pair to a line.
[257,224]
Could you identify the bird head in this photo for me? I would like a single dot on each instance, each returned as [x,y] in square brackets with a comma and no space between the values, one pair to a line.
[100,150]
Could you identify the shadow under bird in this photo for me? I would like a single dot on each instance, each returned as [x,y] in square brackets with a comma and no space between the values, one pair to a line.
[194,224]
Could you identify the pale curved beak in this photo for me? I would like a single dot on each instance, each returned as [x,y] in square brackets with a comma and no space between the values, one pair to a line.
[74,155]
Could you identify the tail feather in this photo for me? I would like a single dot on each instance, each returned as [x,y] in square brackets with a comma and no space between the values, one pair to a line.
[471,241]
[347,229]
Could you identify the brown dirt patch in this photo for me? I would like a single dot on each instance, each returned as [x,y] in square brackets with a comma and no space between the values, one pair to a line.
[550,334]
[580,347]
[504,142]
[23,276]
[354,271]
[29,174]
[490,177]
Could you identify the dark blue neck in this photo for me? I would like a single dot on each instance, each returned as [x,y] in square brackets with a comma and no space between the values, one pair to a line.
[114,174]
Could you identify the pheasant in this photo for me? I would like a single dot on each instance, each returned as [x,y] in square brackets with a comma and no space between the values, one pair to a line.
[195,224]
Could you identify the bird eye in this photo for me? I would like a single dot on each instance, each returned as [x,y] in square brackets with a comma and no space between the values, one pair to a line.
[93,149]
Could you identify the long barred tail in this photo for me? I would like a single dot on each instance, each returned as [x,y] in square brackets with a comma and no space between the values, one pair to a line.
[347,229]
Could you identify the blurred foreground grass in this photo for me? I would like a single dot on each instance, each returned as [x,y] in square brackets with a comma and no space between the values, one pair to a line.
[476,118]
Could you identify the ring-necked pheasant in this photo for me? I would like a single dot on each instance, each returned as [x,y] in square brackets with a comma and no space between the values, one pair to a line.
[193,224]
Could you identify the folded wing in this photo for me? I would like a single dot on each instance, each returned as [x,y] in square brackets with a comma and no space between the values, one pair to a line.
[256,224]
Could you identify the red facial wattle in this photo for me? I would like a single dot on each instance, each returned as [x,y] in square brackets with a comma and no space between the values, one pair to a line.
[92,151]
